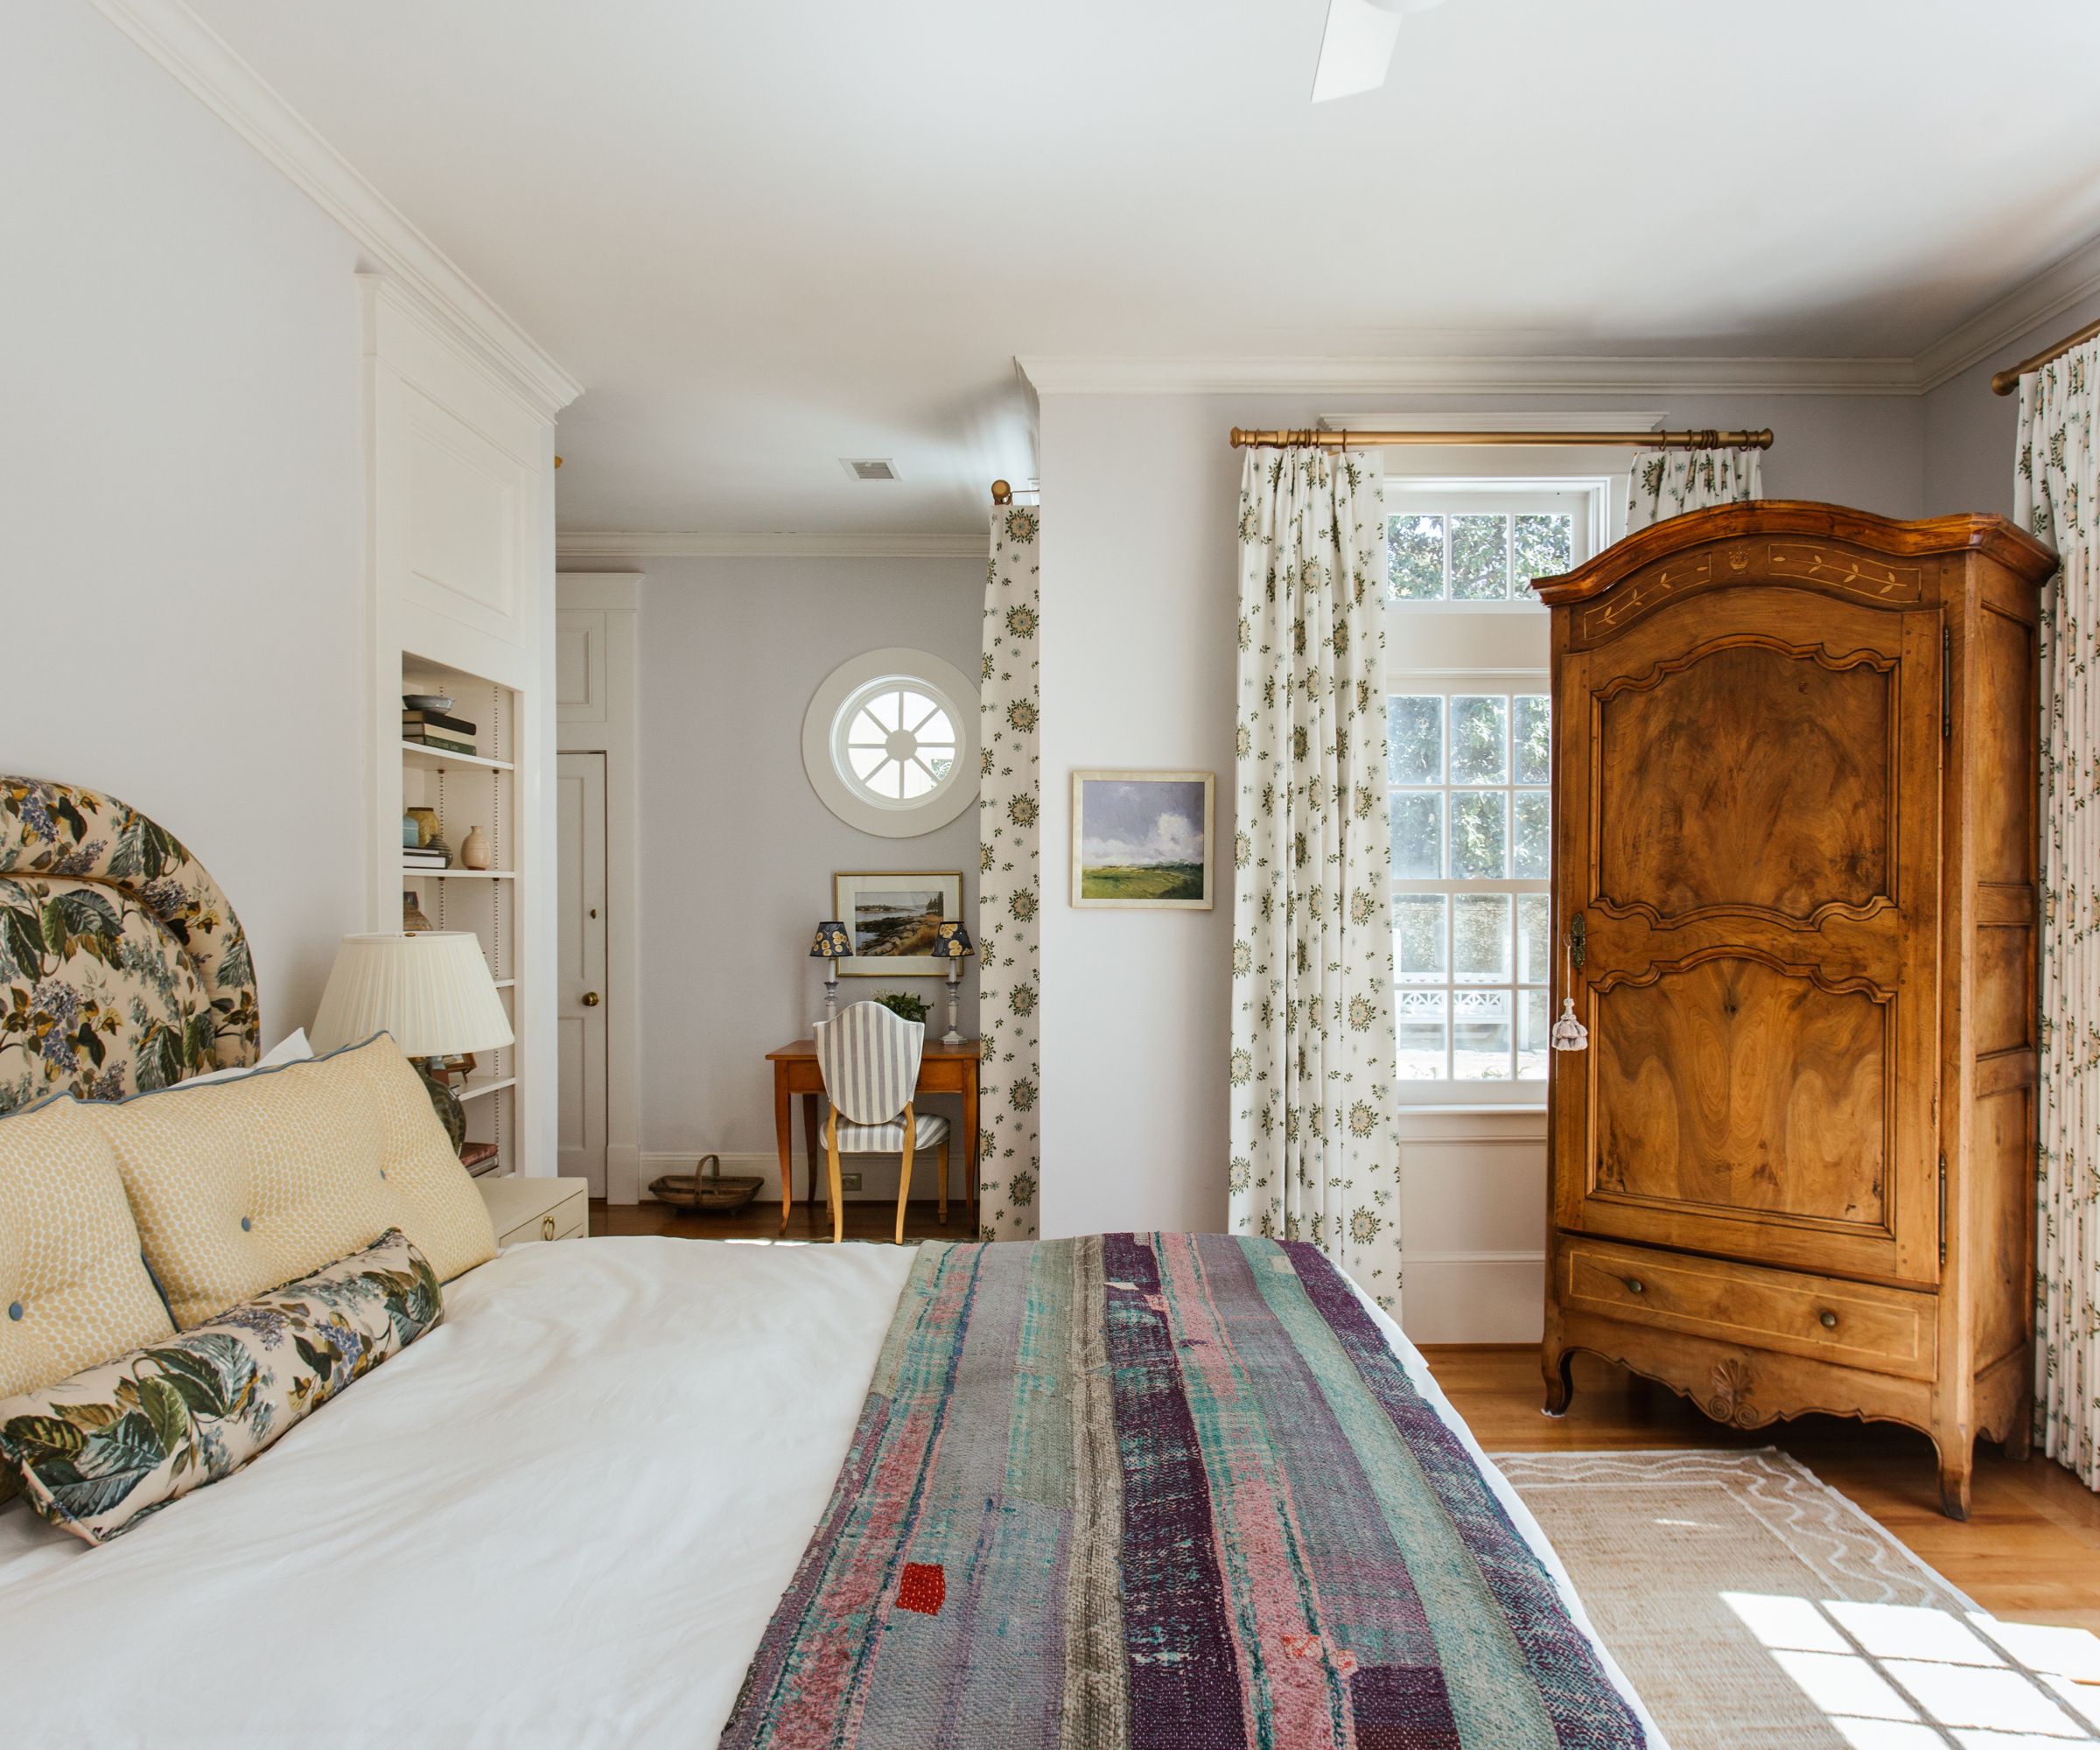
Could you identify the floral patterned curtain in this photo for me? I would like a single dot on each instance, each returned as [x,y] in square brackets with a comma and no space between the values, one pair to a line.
[2055,488]
[1009,879]
[1670,482]
[1315,1134]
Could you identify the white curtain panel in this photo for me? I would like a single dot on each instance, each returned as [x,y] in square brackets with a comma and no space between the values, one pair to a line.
[1670,482]
[2055,489]
[1010,884]
[1315,1138]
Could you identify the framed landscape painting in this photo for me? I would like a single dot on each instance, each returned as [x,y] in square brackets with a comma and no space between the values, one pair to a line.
[1141,839]
[891,918]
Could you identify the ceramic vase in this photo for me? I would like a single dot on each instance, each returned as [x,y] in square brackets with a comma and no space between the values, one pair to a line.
[475,852]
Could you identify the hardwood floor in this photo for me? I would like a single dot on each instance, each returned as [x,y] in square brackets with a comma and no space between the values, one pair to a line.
[2030,1551]
[761,1221]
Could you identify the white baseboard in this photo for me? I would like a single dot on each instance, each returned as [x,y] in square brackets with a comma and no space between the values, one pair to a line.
[623,1174]
[1473,1297]
[877,1173]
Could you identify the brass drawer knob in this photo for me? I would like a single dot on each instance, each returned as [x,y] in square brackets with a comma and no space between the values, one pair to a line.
[547,1227]
[1635,1285]
[1830,1320]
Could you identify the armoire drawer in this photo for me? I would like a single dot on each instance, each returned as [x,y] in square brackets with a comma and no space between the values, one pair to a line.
[1889,1330]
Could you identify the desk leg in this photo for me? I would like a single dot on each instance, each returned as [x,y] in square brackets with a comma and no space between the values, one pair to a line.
[783,1134]
[814,1148]
[970,1147]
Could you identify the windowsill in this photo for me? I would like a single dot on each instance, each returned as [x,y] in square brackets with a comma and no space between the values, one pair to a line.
[1537,1110]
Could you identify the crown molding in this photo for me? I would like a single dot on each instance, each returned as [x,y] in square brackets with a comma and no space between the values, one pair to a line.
[2022,309]
[1456,374]
[210,70]
[619,543]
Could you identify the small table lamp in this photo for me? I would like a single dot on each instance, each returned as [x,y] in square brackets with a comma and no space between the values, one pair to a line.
[831,946]
[952,941]
[430,991]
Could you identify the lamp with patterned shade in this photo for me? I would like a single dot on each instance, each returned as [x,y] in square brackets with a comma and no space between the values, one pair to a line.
[831,946]
[951,942]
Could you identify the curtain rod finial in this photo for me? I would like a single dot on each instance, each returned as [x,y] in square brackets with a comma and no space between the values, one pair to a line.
[1002,493]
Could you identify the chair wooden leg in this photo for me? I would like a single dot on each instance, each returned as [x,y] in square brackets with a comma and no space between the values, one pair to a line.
[838,1197]
[944,1181]
[903,1172]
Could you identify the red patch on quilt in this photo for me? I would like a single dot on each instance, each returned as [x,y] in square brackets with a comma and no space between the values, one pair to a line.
[924,1588]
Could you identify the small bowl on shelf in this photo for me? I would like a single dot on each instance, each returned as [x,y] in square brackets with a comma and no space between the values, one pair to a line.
[427,702]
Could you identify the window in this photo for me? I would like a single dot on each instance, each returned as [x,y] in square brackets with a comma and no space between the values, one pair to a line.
[895,740]
[1469,728]
[889,742]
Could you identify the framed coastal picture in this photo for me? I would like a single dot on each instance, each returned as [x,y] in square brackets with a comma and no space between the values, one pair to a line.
[1141,839]
[891,918]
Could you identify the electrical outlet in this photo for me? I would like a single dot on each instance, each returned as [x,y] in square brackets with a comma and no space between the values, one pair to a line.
[849,1182]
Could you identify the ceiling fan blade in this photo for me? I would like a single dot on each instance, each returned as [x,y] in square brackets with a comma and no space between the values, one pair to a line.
[1356,48]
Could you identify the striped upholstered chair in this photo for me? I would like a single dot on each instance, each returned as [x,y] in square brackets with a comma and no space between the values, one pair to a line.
[868,1058]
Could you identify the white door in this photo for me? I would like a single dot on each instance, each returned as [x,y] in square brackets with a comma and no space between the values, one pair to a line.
[580,827]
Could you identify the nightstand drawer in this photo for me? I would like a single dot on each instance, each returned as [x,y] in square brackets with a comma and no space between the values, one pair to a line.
[525,1209]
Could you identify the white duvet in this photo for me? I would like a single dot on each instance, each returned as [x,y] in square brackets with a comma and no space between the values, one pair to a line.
[562,1519]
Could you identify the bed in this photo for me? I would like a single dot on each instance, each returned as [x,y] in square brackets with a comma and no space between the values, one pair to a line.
[619,1495]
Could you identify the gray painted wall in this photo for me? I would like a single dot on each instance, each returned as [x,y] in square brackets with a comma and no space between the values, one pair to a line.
[1970,433]
[737,851]
[1137,666]
[181,488]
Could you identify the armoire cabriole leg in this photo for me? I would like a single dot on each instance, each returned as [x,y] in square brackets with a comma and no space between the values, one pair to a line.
[1957,1463]
[1558,1366]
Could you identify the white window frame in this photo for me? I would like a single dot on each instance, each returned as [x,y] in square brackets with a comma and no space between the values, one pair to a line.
[825,724]
[1458,647]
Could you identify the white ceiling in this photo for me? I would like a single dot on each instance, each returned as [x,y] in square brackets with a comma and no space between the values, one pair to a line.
[768,236]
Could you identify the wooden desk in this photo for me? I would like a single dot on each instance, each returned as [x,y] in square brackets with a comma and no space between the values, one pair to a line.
[943,1069]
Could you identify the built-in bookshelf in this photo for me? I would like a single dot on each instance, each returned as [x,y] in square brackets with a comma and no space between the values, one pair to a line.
[466,791]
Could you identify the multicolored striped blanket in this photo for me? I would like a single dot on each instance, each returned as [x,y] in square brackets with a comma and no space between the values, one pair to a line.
[1167,1490]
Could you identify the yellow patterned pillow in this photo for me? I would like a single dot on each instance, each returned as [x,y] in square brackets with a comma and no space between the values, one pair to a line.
[73,1290]
[240,1185]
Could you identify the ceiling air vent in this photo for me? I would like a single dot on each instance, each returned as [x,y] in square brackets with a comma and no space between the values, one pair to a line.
[869,468]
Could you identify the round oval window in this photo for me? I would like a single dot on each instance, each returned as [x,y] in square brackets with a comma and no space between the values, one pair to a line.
[890,743]
[895,742]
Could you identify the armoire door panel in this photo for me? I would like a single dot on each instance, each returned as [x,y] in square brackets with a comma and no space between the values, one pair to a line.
[1734,1087]
[1780,795]
[1755,859]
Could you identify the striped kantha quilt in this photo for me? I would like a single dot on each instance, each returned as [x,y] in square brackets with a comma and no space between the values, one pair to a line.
[1169,1490]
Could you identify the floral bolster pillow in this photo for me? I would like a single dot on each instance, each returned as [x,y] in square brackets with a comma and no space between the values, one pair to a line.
[97,1452]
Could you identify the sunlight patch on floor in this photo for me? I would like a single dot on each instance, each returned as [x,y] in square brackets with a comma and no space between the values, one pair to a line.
[1907,1677]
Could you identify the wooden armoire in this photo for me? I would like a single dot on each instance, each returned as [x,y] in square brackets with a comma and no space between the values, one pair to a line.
[1795,902]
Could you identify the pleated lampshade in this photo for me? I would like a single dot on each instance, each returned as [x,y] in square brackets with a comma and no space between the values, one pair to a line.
[431,991]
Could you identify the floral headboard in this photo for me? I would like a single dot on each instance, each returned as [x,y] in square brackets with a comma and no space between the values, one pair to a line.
[121,966]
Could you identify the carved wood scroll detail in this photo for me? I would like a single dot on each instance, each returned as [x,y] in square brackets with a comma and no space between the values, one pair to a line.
[1731,1400]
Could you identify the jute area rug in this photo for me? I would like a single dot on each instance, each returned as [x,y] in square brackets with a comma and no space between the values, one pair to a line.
[1752,1605]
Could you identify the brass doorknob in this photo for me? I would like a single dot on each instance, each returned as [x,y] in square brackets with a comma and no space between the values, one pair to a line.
[590,999]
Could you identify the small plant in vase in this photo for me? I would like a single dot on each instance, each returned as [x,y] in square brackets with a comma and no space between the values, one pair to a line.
[904,1003]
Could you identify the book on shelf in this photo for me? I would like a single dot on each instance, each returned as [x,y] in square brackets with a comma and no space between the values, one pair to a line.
[444,744]
[424,860]
[439,721]
[480,1157]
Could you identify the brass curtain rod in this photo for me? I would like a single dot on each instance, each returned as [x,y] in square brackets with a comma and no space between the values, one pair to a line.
[2006,381]
[1636,440]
